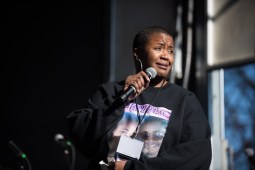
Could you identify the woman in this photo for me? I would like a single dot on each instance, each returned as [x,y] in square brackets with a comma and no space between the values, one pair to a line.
[183,137]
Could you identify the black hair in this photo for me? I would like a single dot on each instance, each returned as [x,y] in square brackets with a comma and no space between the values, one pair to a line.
[143,36]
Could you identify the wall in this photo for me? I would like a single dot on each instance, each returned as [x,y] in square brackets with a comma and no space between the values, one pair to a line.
[52,50]
[129,17]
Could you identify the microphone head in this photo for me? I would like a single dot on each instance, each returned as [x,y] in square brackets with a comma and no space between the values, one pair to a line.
[58,138]
[151,72]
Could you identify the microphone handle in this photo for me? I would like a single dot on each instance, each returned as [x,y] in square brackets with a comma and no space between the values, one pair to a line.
[131,89]
[123,97]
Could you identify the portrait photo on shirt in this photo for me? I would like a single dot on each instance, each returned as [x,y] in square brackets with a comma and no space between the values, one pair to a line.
[151,131]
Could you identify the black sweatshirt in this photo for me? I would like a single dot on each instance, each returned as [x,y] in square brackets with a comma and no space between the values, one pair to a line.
[186,144]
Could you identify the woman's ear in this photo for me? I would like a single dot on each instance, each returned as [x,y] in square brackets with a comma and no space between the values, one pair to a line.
[135,53]
[138,62]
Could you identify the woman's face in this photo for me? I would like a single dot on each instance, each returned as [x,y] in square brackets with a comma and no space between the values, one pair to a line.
[159,54]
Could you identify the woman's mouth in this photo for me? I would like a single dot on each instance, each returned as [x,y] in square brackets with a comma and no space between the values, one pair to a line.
[162,66]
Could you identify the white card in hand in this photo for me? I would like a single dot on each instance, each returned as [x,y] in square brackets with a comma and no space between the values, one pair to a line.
[130,147]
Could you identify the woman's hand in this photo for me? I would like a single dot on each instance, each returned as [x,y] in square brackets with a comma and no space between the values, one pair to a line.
[139,81]
[119,165]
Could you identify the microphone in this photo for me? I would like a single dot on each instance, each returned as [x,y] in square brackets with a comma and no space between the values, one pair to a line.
[151,73]
[59,138]
[23,157]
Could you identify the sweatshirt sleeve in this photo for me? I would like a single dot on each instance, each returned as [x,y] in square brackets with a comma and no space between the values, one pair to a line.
[190,149]
[88,126]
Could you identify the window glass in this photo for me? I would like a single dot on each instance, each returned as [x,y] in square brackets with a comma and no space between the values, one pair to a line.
[239,106]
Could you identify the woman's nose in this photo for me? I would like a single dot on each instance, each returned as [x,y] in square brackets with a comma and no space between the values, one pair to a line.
[165,56]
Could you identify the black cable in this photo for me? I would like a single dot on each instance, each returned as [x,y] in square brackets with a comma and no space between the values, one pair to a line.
[138,113]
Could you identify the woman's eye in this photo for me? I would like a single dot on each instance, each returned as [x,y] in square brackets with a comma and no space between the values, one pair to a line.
[170,51]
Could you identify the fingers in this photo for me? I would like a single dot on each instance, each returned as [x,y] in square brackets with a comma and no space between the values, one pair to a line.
[139,81]
[136,81]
